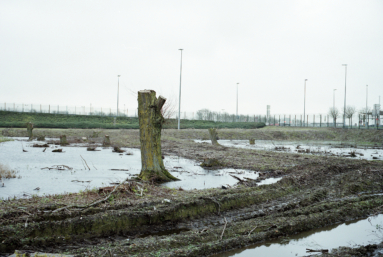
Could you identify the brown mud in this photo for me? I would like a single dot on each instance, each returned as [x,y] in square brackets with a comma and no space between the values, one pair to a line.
[147,220]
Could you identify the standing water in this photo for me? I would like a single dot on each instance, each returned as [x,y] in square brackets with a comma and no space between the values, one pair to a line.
[350,234]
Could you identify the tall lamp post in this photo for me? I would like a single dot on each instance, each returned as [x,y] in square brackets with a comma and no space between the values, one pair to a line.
[118,91]
[366,105]
[237,102]
[304,107]
[333,101]
[344,110]
[179,98]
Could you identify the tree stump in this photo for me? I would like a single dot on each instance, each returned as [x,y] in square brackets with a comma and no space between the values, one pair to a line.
[252,141]
[213,136]
[29,130]
[63,140]
[106,141]
[150,121]
[210,162]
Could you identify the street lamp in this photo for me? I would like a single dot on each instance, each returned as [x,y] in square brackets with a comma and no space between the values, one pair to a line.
[366,104]
[304,108]
[333,104]
[344,110]
[179,99]
[237,102]
[118,91]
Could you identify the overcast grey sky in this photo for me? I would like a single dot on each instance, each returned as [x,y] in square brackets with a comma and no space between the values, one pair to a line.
[70,52]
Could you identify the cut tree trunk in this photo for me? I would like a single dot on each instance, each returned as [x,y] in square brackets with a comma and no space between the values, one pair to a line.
[252,141]
[29,130]
[106,141]
[150,121]
[213,136]
[63,140]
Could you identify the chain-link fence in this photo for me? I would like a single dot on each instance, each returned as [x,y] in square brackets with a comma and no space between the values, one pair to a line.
[362,121]
[68,110]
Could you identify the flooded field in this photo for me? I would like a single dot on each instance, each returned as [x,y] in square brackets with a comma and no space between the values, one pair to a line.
[326,148]
[267,199]
[43,172]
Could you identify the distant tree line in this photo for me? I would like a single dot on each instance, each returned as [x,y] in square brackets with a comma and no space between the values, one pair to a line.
[206,114]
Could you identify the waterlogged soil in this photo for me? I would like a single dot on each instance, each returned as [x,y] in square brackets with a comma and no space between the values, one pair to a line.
[324,148]
[43,172]
[142,219]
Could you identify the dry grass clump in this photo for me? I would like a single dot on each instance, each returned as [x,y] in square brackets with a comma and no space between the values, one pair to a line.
[6,172]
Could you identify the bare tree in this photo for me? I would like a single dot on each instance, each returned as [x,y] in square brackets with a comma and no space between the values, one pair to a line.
[350,111]
[168,110]
[334,113]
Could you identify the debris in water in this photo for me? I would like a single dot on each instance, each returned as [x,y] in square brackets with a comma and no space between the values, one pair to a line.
[117,149]
[38,145]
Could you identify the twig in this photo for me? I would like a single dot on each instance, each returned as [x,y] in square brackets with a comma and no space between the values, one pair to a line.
[224,227]
[237,178]
[82,161]
[94,166]
[318,251]
[91,204]
[85,162]
[252,231]
[25,211]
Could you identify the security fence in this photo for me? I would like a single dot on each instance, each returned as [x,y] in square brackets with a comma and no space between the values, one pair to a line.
[363,121]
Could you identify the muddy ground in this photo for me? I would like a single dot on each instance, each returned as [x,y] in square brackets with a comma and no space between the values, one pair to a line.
[140,219]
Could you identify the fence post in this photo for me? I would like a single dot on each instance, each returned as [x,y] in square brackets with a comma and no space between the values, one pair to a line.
[13,106]
[320,120]
[368,120]
[314,121]
[295,120]
[358,121]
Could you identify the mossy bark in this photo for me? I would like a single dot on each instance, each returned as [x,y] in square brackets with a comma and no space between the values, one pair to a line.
[213,136]
[106,141]
[150,121]
[63,140]
[29,130]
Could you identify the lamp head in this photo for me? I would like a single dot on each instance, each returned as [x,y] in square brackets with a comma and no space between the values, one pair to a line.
[344,64]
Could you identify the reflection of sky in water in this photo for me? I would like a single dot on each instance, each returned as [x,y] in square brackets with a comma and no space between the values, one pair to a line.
[101,162]
[349,234]
[322,147]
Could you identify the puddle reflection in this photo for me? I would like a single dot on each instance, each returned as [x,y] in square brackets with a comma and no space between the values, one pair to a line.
[350,234]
